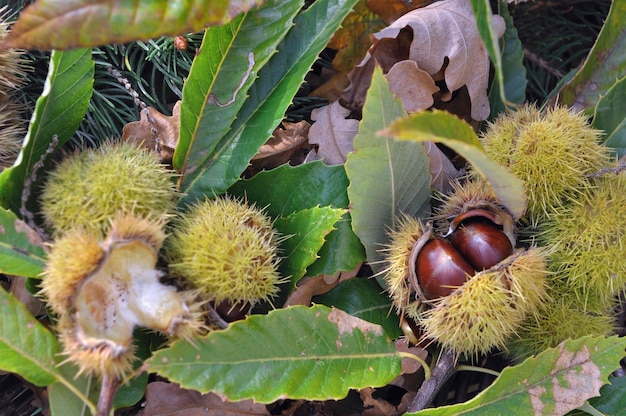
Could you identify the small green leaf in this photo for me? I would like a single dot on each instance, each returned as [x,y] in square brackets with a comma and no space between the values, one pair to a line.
[305,230]
[364,299]
[222,72]
[453,132]
[21,253]
[513,69]
[287,189]
[605,63]
[26,346]
[59,111]
[299,352]
[609,116]
[555,382]
[387,177]
[65,24]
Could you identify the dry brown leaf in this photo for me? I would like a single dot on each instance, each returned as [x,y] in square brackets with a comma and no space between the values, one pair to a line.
[410,366]
[446,31]
[333,133]
[390,10]
[412,85]
[18,288]
[318,285]
[377,406]
[353,40]
[442,171]
[166,129]
[167,399]
[286,144]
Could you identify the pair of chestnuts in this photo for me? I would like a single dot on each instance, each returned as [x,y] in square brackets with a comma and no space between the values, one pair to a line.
[475,242]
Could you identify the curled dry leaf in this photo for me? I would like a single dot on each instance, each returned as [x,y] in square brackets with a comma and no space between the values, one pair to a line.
[442,171]
[447,31]
[286,144]
[318,285]
[333,133]
[154,125]
[167,399]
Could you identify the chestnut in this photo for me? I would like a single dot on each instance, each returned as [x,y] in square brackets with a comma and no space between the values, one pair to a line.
[482,244]
[440,268]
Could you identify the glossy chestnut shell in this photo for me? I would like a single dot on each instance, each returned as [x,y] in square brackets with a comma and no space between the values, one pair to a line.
[440,268]
[482,244]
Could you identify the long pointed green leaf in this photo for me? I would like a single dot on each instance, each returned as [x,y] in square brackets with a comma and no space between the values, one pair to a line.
[59,111]
[271,94]
[26,347]
[387,177]
[221,74]
[442,127]
[312,353]
[306,230]
[609,116]
[605,63]
[513,69]
[555,382]
[20,254]
[64,24]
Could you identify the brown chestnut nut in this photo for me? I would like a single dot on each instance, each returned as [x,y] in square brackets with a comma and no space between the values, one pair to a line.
[440,269]
[482,244]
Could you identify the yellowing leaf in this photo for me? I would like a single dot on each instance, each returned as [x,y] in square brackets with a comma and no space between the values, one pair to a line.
[554,383]
[66,24]
[333,133]
[447,29]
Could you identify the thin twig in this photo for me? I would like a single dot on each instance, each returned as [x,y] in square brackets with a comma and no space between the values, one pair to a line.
[142,106]
[444,369]
[28,184]
[616,171]
[110,385]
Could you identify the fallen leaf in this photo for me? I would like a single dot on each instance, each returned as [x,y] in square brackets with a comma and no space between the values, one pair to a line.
[390,10]
[286,144]
[412,85]
[410,366]
[376,406]
[154,125]
[18,288]
[333,133]
[446,31]
[353,40]
[442,171]
[318,285]
[168,399]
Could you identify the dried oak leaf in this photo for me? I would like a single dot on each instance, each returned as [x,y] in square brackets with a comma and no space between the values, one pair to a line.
[390,10]
[167,399]
[166,129]
[286,144]
[442,171]
[333,133]
[414,86]
[446,32]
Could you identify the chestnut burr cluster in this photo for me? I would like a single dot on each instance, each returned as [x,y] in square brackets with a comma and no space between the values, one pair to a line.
[475,278]
[475,245]
[461,276]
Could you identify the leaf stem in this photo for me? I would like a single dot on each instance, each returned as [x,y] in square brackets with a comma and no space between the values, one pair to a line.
[78,393]
[465,367]
[590,409]
[424,364]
